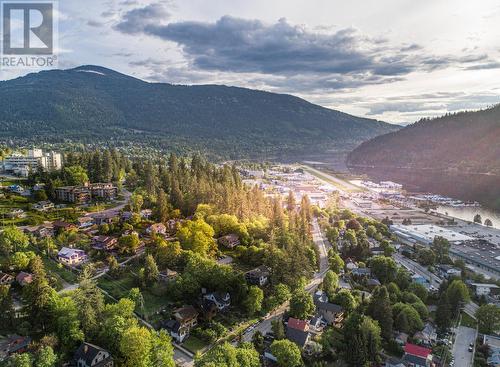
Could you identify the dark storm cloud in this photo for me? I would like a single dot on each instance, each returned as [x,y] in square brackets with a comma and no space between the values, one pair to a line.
[136,20]
[303,58]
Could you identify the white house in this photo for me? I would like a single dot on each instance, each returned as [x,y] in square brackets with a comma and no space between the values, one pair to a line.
[484,289]
[71,256]
[221,300]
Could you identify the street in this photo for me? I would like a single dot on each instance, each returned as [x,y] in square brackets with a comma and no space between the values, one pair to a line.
[264,326]
[464,336]
[433,279]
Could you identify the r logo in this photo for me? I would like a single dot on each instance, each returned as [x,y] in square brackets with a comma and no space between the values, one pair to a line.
[28,28]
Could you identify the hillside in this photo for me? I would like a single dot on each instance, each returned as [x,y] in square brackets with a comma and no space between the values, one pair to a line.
[456,154]
[91,103]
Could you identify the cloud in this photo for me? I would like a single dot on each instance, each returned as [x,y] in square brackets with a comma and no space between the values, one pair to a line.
[136,20]
[94,23]
[290,55]
[485,66]
[431,104]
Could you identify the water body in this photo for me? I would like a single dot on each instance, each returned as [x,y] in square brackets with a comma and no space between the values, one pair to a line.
[468,213]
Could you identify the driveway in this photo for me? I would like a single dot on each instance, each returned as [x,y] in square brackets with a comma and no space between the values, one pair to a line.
[464,336]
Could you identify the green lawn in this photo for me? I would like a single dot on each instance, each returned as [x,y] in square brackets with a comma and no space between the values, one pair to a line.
[193,344]
[155,299]
[60,271]
[468,321]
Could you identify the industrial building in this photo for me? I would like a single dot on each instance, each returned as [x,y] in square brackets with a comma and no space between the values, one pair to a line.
[424,234]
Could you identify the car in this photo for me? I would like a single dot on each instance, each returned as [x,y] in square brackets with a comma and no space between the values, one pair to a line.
[471,344]
[471,349]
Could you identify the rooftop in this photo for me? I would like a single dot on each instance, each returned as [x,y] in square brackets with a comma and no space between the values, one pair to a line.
[427,232]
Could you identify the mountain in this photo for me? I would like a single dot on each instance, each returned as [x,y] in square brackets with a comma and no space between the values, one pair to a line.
[457,154]
[95,104]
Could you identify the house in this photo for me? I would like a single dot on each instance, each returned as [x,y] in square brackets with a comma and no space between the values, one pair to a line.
[168,275]
[351,265]
[332,313]
[229,241]
[297,331]
[85,222]
[419,279]
[24,278]
[481,289]
[373,283]
[185,318]
[16,189]
[13,344]
[42,231]
[427,336]
[6,279]
[172,225]
[90,355]
[493,343]
[258,276]
[401,338]
[106,243]
[448,271]
[45,230]
[126,216]
[146,213]
[361,272]
[417,356]
[377,251]
[208,309]
[104,218]
[62,226]
[43,206]
[71,256]
[157,228]
[221,300]
[392,362]
[16,213]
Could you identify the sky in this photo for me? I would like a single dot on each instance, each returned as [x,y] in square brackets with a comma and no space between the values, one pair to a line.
[392,60]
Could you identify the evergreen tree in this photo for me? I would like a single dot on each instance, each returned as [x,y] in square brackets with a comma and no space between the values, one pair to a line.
[380,309]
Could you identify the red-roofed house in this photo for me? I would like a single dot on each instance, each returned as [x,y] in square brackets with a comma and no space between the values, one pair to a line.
[24,278]
[297,331]
[417,356]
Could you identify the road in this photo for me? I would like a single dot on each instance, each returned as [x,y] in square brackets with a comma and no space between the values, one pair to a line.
[433,279]
[116,209]
[264,326]
[464,336]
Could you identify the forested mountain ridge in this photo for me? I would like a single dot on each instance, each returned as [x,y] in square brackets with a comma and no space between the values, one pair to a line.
[92,103]
[466,142]
[455,155]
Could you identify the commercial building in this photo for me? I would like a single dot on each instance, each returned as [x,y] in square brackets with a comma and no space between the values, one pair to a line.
[424,234]
[479,254]
[22,165]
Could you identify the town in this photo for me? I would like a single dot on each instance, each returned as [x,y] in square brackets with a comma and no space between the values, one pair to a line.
[109,260]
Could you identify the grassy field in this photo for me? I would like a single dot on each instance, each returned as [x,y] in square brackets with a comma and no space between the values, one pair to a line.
[468,321]
[155,298]
[193,344]
[59,271]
